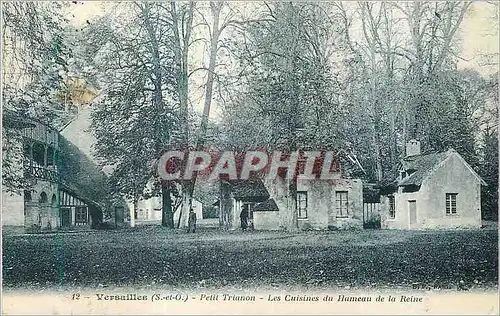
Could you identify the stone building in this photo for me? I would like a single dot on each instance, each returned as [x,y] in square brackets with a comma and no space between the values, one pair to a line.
[61,187]
[319,204]
[236,196]
[148,211]
[433,190]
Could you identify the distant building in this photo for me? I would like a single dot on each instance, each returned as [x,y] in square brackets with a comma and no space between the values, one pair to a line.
[149,211]
[434,190]
[319,204]
[63,188]
[236,196]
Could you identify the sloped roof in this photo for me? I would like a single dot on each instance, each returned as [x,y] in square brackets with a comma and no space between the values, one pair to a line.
[11,119]
[79,175]
[424,165]
[251,188]
[268,205]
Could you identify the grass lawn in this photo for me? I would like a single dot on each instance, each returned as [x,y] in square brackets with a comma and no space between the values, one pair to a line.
[157,257]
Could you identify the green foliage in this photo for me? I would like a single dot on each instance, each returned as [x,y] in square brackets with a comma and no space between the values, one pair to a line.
[35,56]
[301,69]
[79,174]
[489,173]
[136,117]
[12,154]
[289,84]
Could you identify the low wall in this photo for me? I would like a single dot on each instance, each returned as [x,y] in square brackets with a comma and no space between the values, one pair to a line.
[266,220]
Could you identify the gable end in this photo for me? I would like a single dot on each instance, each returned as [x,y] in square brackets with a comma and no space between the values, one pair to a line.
[450,153]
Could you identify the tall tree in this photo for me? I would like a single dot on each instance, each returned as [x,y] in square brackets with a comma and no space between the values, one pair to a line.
[219,17]
[134,63]
[489,172]
[34,60]
[289,90]
[433,28]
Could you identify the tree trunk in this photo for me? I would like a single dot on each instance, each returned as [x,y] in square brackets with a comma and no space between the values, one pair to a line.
[135,211]
[214,39]
[292,204]
[182,36]
[167,217]
[294,99]
[188,187]
[187,202]
[158,102]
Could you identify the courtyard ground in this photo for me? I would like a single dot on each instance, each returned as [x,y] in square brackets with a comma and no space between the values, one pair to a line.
[158,257]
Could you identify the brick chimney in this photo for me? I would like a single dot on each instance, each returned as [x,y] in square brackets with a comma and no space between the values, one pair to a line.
[412,148]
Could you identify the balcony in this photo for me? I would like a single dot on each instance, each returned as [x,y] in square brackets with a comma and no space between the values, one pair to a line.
[39,172]
[41,133]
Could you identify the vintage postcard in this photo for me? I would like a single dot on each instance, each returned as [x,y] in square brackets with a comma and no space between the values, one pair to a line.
[249,157]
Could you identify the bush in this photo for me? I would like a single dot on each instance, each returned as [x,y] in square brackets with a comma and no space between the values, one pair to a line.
[105,226]
[372,223]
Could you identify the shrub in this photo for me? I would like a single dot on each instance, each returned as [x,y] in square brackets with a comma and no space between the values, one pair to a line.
[372,223]
[105,226]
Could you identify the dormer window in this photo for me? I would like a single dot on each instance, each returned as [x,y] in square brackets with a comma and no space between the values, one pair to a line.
[402,174]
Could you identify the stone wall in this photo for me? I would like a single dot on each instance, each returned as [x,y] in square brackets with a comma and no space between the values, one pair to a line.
[266,220]
[354,218]
[41,218]
[321,203]
[40,215]
[452,176]
[12,209]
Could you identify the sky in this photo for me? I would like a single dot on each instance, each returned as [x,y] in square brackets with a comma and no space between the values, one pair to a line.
[478,34]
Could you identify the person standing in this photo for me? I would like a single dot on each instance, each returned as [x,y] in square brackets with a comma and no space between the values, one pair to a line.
[244,218]
[191,221]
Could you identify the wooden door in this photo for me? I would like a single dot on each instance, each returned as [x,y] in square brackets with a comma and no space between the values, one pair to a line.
[412,209]
[65,217]
[119,216]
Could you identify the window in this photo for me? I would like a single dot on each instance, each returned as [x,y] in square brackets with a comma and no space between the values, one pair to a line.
[27,196]
[451,203]
[392,206]
[50,156]
[80,215]
[43,197]
[301,204]
[342,204]
[54,200]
